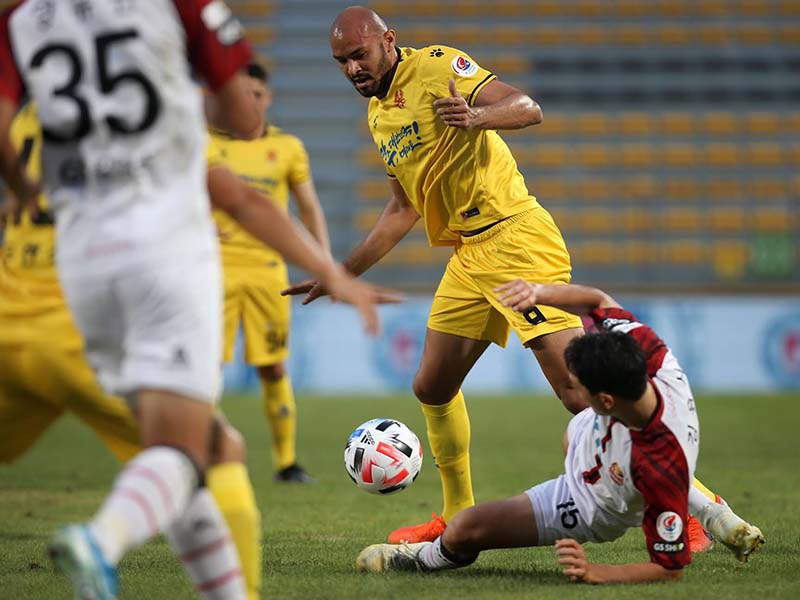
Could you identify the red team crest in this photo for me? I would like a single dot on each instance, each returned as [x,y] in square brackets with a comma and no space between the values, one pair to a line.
[615,471]
[399,99]
[272,156]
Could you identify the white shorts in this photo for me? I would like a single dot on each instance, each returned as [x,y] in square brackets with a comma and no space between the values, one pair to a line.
[158,326]
[557,516]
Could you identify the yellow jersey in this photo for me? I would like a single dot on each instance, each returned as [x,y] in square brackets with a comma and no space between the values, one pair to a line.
[457,180]
[272,164]
[32,307]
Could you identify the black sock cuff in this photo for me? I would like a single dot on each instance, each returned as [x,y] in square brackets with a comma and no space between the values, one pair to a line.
[460,560]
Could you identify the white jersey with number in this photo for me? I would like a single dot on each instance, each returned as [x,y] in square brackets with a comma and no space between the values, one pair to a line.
[621,478]
[123,159]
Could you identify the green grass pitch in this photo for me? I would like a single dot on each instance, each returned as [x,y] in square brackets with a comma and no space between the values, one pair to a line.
[749,454]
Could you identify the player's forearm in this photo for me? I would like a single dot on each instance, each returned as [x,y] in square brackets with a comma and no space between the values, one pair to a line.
[391,227]
[314,220]
[515,111]
[577,299]
[632,573]
[12,170]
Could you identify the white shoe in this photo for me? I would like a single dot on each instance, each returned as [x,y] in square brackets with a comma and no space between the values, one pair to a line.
[75,553]
[379,558]
[738,535]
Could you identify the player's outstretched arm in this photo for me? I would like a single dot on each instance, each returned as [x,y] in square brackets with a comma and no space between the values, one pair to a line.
[392,226]
[24,191]
[573,557]
[521,295]
[265,222]
[497,106]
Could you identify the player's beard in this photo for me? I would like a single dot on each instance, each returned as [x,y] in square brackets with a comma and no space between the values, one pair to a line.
[380,86]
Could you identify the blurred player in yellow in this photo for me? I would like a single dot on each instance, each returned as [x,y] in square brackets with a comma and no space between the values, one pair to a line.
[433,115]
[44,373]
[276,164]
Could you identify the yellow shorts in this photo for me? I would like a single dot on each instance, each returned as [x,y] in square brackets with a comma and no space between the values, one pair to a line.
[527,246]
[252,298]
[38,383]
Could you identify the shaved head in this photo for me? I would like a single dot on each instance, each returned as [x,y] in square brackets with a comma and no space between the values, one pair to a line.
[365,50]
[359,21]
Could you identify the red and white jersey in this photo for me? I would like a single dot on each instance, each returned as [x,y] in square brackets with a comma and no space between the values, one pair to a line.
[621,478]
[123,159]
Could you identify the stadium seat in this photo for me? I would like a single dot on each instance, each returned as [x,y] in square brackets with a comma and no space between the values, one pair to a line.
[679,155]
[685,252]
[765,155]
[682,220]
[677,124]
[681,188]
[635,124]
[374,189]
[773,220]
[763,123]
[723,189]
[641,156]
[638,220]
[721,123]
[594,155]
[768,189]
[722,155]
[730,219]
[639,187]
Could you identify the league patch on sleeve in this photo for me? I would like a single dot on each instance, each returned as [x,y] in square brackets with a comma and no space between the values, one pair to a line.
[463,66]
[669,526]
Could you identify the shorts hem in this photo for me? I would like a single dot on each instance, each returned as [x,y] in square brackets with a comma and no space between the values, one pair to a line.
[468,335]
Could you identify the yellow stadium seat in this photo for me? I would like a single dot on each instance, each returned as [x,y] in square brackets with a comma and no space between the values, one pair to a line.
[730,258]
[638,252]
[720,123]
[594,253]
[252,8]
[726,220]
[677,35]
[508,64]
[752,33]
[373,189]
[722,189]
[794,123]
[593,189]
[596,221]
[548,189]
[547,36]
[637,220]
[590,8]
[633,35]
[794,155]
[592,124]
[630,8]
[715,35]
[685,252]
[677,124]
[260,34]
[590,35]
[755,8]
[773,220]
[722,155]
[635,124]
[553,124]
[593,155]
[763,123]
[637,156]
[679,155]
[548,155]
[681,219]
[640,187]
[367,156]
[768,189]
[676,188]
[790,34]
[765,155]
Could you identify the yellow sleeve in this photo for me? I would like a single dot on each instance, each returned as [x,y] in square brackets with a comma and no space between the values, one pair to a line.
[26,136]
[439,64]
[300,169]
[213,152]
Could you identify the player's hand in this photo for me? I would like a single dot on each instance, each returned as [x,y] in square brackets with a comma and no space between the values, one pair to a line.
[310,287]
[573,557]
[362,295]
[519,295]
[454,110]
[24,198]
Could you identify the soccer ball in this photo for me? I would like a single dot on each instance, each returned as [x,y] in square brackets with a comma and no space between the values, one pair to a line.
[383,456]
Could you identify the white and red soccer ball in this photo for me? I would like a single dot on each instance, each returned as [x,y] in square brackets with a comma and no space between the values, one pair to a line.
[383,456]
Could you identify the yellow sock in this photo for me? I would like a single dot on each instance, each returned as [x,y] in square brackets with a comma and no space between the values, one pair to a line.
[449,434]
[233,492]
[279,408]
[706,492]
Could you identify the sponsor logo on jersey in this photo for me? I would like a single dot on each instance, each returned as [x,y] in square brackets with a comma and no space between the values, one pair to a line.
[669,526]
[670,548]
[781,350]
[399,99]
[463,66]
[401,144]
[616,474]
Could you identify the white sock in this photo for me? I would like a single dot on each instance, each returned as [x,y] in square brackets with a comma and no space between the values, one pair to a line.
[201,539]
[147,495]
[719,519]
[697,502]
[434,557]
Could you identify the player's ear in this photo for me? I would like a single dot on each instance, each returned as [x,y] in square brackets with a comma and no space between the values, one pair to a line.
[389,39]
[606,400]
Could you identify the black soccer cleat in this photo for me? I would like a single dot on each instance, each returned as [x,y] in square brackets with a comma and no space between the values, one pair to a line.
[294,474]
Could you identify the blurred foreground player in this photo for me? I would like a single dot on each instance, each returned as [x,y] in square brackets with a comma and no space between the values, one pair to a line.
[630,460]
[123,166]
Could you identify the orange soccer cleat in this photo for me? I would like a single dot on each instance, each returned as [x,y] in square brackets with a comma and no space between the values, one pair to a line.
[424,532]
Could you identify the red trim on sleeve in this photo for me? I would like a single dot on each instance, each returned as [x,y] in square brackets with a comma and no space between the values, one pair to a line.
[11,85]
[654,347]
[661,474]
[215,40]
